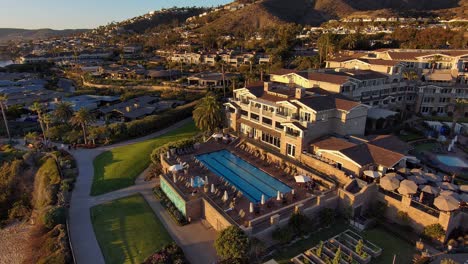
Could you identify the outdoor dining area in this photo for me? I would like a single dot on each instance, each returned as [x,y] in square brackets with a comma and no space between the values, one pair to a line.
[426,188]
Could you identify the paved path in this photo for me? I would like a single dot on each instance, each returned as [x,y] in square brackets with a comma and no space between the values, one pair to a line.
[195,239]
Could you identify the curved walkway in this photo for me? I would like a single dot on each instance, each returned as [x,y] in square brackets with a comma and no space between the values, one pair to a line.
[195,239]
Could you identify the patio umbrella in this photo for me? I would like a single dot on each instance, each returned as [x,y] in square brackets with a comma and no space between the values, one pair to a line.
[417,179]
[450,193]
[251,208]
[389,183]
[212,188]
[192,182]
[449,186]
[464,197]
[302,178]
[404,170]
[432,177]
[278,196]
[395,175]
[464,188]
[217,135]
[372,174]
[176,167]
[263,199]
[225,196]
[430,189]
[417,172]
[174,178]
[407,187]
[206,180]
[446,203]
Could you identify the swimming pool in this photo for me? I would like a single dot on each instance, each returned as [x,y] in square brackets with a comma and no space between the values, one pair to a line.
[452,161]
[248,179]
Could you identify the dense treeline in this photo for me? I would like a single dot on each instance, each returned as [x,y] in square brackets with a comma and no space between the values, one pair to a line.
[430,38]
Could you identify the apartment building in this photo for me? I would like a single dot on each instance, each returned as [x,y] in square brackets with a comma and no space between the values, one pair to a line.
[288,118]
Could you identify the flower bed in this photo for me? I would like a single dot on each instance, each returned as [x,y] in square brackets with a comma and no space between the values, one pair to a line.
[178,217]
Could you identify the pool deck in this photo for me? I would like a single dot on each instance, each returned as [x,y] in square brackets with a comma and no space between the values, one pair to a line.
[240,211]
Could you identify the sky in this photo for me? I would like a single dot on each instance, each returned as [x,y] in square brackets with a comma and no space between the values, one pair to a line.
[70,14]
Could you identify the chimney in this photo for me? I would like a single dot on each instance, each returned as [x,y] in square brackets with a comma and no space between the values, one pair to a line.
[300,92]
[266,86]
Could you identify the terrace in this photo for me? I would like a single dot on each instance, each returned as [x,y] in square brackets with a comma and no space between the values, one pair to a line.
[247,186]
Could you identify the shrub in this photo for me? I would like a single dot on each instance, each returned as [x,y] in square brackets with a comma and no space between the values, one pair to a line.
[404,217]
[232,243]
[297,222]
[54,216]
[283,235]
[46,184]
[327,216]
[434,231]
[448,261]
[176,215]
[19,210]
[169,254]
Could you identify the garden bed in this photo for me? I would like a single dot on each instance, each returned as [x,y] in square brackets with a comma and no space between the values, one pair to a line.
[175,214]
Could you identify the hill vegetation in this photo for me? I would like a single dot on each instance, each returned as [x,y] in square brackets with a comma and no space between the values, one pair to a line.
[13,34]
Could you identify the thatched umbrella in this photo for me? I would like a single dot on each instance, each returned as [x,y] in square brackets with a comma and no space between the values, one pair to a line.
[417,179]
[389,183]
[446,203]
[449,186]
[430,189]
[432,177]
[407,187]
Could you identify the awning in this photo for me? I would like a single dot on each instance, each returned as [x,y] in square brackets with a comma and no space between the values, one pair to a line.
[302,178]
[372,174]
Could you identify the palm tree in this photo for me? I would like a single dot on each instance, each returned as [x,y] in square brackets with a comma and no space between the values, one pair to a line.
[47,119]
[459,108]
[411,77]
[208,114]
[63,111]
[39,109]
[3,100]
[82,118]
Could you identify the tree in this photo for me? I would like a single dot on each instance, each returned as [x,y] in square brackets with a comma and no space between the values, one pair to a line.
[359,247]
[337,258]
[232,243]
[63,111]
[434,231]
[39,109]
[319,249]
[208,114]
[459,108]
[82,118]
[3,99]
[47,119]
[297,222]
[448,261]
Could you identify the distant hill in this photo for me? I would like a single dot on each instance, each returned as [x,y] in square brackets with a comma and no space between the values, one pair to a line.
[267,13]
[7,34]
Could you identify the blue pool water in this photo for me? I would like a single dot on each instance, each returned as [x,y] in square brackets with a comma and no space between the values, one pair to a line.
[452,161]
[248,179]
[198,182]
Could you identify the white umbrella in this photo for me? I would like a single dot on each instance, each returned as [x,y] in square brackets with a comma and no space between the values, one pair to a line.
[217,135]
[206,180]
[372,174]
[192,182]
[417,179]
[225,196]
[407,187]
[174,178]
[212,188]
[446,203]
[293,191]
[450,193]
[432,177]
[251,208]
[449,186]
[176,167]
[302,178]
[263,199]
[464,188]
[278,196]
[389,183]
[430,189]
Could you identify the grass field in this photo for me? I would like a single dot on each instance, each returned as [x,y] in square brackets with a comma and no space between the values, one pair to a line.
[118,168]
[127,230]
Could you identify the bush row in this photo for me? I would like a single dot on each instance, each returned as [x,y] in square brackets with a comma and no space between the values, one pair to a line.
[170,254]
[178,217]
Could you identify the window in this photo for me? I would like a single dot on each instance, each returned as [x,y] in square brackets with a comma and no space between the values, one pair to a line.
[291,150]
[244,113]
[266,121]
[254,116]
[272,140]
[292,132]
[305,116]
[440,110]
[428,99]
[279,126]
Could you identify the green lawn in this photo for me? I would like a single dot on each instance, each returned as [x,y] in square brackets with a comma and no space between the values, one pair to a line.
[118,168]
[127,230]
[389,243]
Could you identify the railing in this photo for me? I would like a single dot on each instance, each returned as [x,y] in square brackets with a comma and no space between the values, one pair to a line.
[424,208]
[394,195]
[255,109]
[267,113]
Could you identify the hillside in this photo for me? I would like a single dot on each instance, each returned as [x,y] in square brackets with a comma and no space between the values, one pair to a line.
[266,13]
[7,34]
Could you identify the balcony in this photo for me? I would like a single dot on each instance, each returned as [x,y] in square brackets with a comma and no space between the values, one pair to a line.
[267,113]
[255,110]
